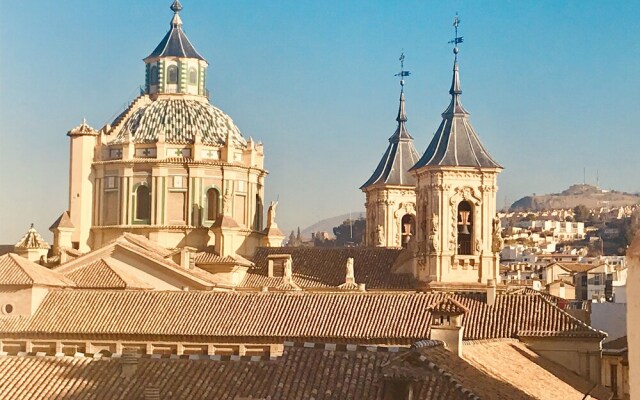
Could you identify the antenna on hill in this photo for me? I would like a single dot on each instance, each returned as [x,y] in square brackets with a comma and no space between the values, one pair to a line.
[584,175]
[598,179]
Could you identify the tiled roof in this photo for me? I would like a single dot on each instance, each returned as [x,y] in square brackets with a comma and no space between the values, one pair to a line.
[448,306]
[63,221]
[616,344]
[456,143]
[105,273]
[575,267]
[179,119]
[175,43]
[139,245]
[16,270]
[394,318]
[304,371]
[401,155]
[32,240]
[316,267]
[508,369]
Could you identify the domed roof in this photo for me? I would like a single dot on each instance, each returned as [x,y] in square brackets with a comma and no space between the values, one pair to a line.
[179,119]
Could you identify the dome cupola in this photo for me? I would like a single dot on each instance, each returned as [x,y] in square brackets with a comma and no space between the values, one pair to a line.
[175,66]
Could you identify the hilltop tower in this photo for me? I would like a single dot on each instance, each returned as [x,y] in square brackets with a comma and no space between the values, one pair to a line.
[170,165]
[456,182]
[390,191]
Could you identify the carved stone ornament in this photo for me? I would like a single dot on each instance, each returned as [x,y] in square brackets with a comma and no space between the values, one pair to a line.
[497,242]
[380,235]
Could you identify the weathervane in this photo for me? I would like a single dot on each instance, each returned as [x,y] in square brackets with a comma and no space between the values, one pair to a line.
[402,72]
[458,39]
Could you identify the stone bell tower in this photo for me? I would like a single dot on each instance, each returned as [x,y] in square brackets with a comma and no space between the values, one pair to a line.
[456,183]
[390,191]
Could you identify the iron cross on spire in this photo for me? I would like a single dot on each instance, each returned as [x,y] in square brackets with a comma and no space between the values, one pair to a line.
[457,39]
[402,72]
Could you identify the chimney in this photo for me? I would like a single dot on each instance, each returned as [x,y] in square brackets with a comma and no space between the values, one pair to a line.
[185,258]
[151,392]
[491,292]
[128,362]
[447,317]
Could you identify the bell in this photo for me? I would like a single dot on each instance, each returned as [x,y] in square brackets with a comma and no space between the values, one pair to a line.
[464,222]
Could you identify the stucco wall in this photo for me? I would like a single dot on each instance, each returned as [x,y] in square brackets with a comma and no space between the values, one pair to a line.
[633,317]
[580,355]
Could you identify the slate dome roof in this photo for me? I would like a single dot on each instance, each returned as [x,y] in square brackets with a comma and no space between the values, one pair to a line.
[179,119]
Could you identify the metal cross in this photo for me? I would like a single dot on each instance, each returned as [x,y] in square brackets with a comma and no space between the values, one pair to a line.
[457,39]
[402,72]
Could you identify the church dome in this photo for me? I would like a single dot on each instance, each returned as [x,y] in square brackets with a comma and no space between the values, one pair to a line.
[179,119]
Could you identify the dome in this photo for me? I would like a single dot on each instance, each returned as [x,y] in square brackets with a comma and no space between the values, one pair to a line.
[179,119]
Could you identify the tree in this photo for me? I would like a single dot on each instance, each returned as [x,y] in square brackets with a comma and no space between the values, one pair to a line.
[350,232]
[581,213]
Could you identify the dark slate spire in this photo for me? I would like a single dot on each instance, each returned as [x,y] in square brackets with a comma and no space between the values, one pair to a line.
[401,154]
[456,143]
[175,43]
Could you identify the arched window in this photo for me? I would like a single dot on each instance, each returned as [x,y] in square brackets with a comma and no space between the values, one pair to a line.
[408,228]
[154,75]
[465,228]
[193,76]
[213,204]
[172,74]
[143,203]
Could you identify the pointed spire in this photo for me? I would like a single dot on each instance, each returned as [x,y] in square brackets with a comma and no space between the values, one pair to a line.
[176,7]
[401,132]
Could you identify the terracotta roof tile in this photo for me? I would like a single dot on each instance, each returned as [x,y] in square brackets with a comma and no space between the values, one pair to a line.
[303,372]
[16,270]
[105,273]
[63,221]
[315,267]
[392,318]
[508,369]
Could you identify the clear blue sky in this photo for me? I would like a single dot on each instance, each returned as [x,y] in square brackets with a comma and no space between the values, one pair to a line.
[552,87]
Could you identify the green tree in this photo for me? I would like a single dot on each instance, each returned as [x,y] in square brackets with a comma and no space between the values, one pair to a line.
[581,213]
[350,232]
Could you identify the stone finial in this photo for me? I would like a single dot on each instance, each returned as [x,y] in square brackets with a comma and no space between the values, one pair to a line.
[350,279]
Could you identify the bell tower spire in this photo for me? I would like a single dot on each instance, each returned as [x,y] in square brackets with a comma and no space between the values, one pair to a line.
[390,190]
[456,196]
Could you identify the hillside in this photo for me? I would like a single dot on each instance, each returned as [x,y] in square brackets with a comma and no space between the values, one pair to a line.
[327,225]
[588,195]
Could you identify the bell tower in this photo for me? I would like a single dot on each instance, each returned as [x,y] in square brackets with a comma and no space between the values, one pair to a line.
[456,182]
[390,191]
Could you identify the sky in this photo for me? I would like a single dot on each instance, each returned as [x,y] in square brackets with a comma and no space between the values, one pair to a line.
[552,88]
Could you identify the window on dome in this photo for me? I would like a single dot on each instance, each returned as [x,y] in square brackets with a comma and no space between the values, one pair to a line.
[154,75]
[172,74]
[213,204]
[143,203]
[193,76]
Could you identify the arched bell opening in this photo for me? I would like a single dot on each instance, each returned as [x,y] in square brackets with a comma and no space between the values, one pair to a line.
[408,228]
[465,228]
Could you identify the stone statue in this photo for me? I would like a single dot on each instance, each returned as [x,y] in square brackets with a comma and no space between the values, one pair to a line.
[288,271]
[271,214]
[350,277]
[433,236]
[226,203]
[380,235]
[497,242]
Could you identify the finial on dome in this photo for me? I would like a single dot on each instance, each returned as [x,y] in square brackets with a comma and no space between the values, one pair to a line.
[457,39]
[402,116]
[402,72]
[176,7]
[176,21]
